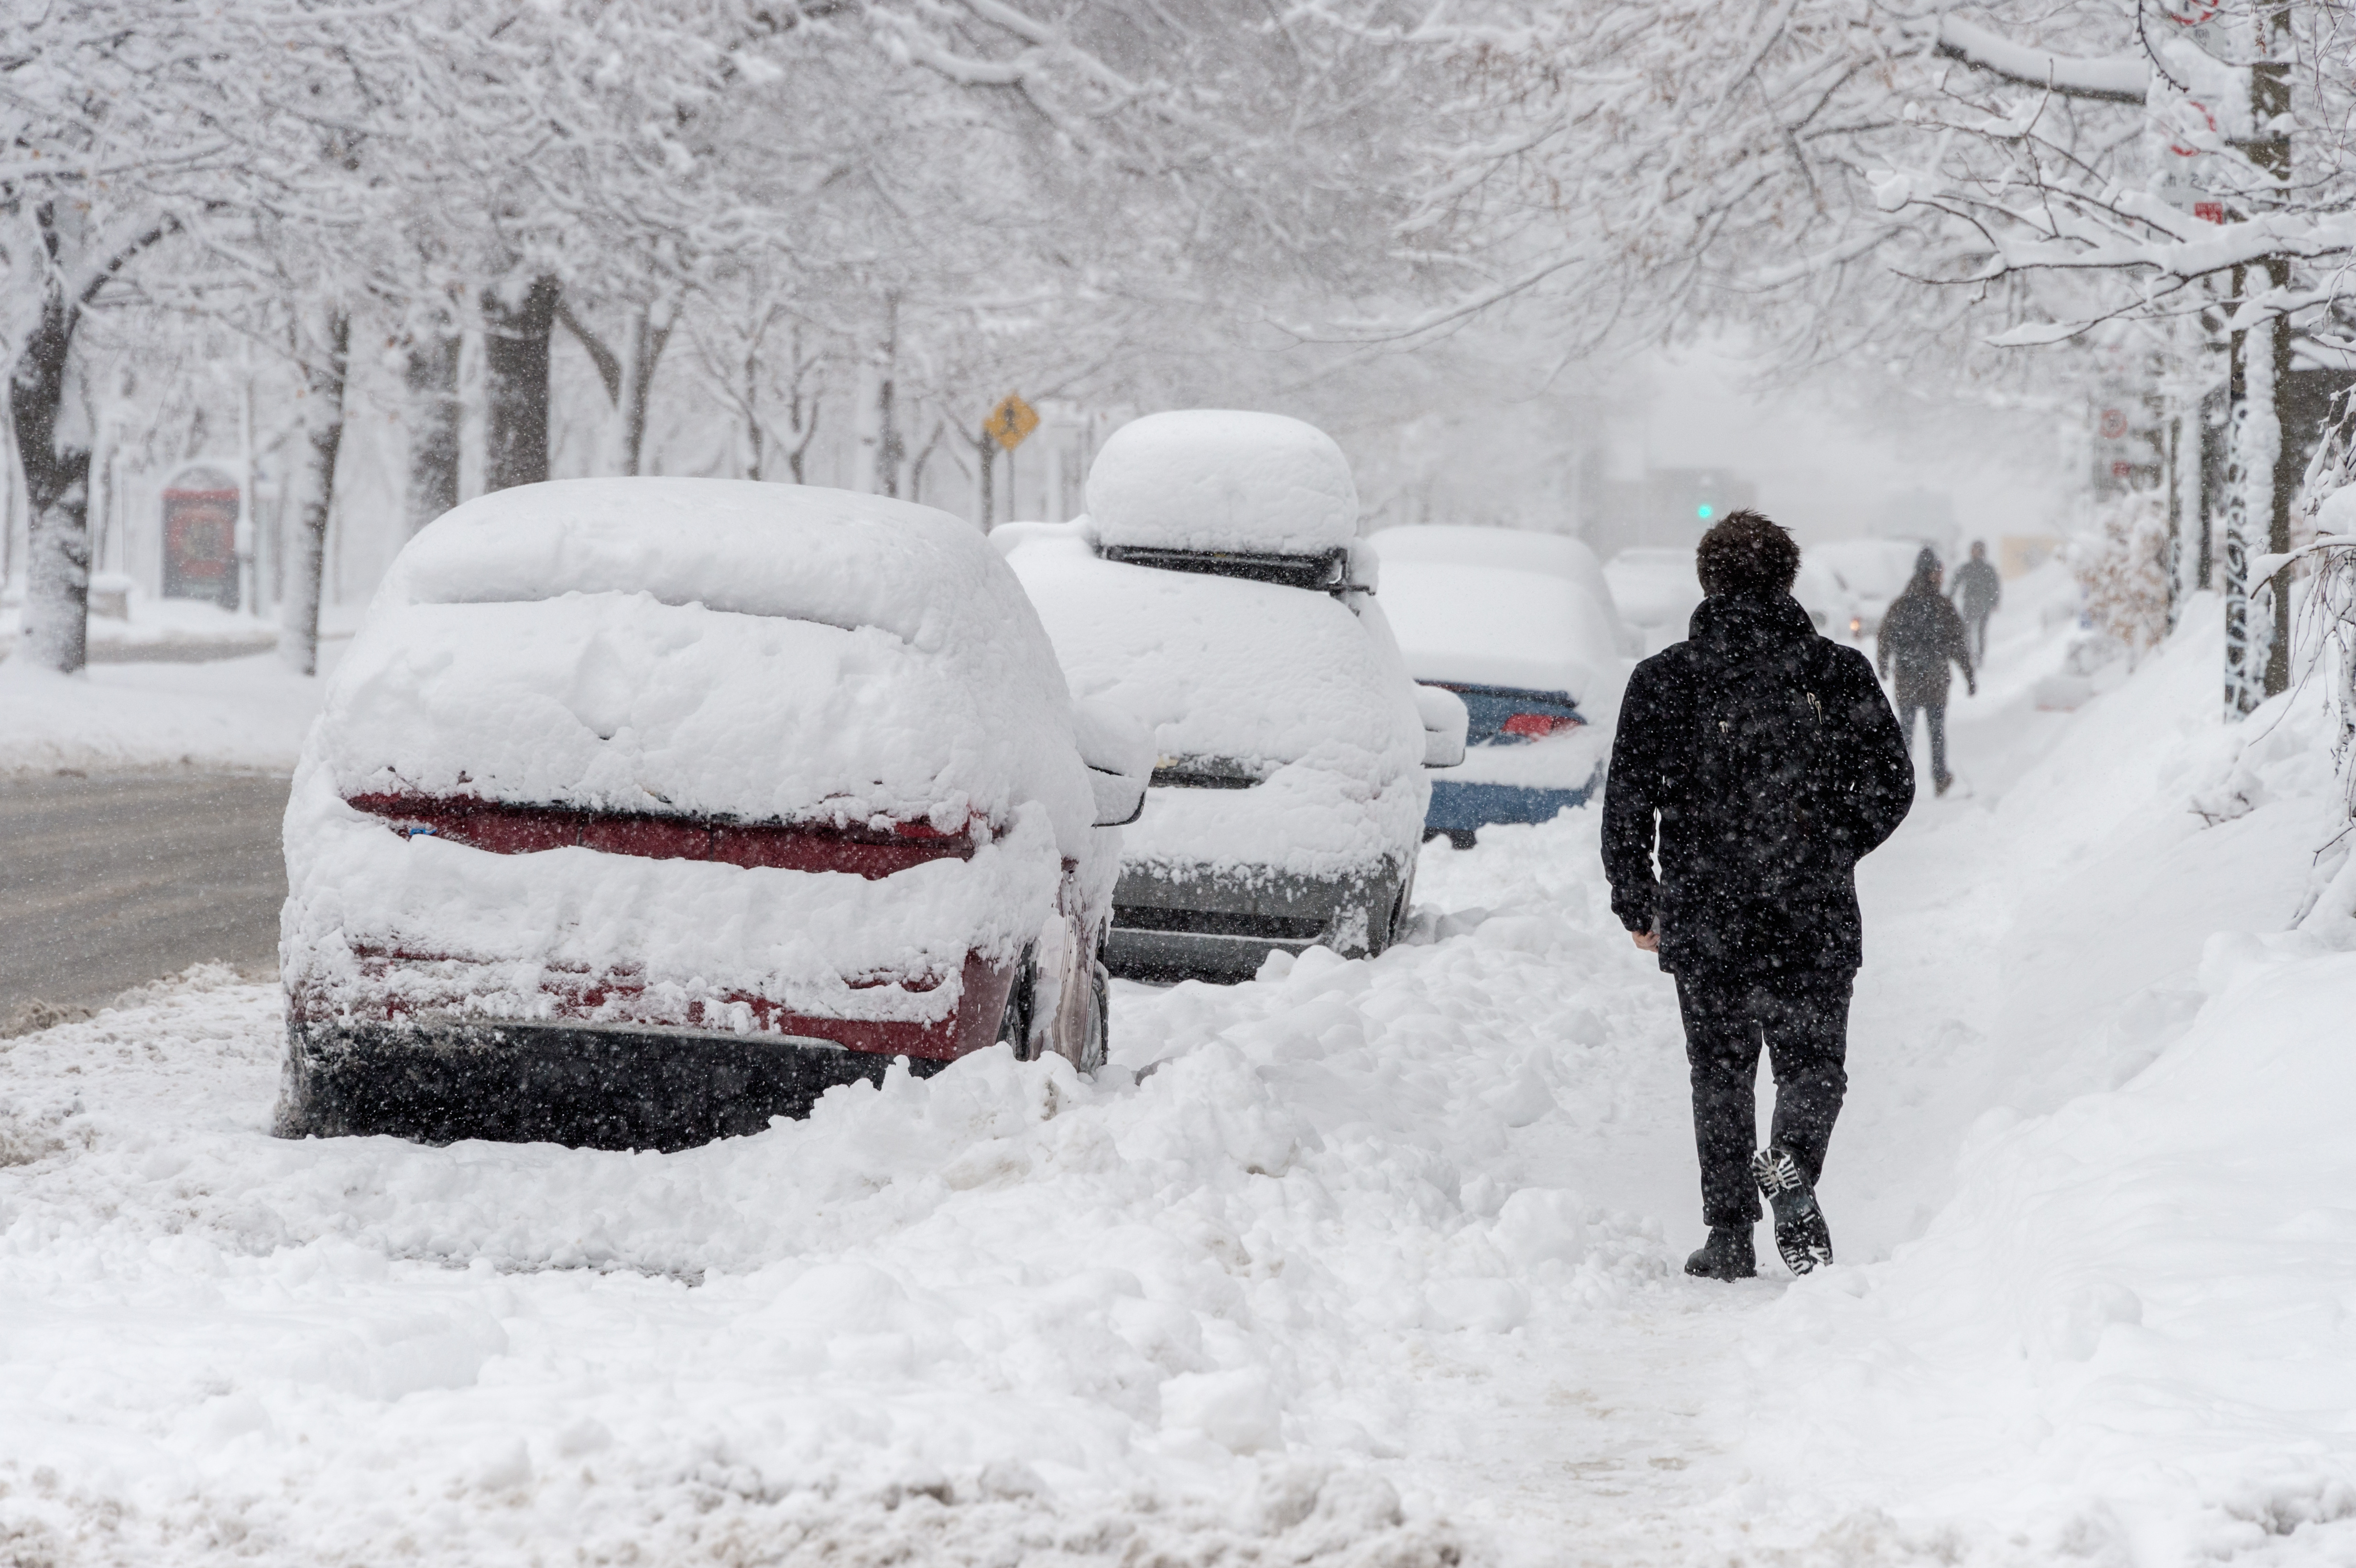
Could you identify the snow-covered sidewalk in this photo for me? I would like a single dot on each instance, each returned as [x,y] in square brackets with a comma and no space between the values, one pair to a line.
[1361,1263]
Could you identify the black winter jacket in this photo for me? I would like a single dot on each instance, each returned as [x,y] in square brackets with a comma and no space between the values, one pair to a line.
[1771,762]
[1922,633]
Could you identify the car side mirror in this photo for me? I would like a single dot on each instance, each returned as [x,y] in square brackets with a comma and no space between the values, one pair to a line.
[1444,724]
[1118,751]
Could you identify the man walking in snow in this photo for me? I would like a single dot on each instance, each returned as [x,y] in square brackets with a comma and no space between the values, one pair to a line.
[1981,591]
[1759,761]
[1922,634]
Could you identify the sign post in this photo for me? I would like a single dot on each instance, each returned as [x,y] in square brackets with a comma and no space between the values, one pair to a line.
[1004,429]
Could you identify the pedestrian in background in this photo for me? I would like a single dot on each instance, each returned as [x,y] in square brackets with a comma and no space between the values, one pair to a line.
[1759,761]
[1981,591]
[1922,634]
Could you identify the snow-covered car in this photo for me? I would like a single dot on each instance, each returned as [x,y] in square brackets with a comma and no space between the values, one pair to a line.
[1866,575]
[1523,627]
[643,810]
[1657,590]
[1217,591]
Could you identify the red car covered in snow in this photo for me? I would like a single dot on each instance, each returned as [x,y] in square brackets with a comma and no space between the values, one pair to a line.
[644,810]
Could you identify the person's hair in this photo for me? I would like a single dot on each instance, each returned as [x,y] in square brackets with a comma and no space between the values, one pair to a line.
[1747,556]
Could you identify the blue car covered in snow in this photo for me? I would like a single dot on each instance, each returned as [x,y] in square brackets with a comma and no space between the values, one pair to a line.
[1522,627]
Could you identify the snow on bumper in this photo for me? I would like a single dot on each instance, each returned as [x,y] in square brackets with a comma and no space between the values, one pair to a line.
[378,927]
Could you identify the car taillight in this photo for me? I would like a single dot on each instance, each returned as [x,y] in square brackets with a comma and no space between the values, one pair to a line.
[504,830]
[1531,726]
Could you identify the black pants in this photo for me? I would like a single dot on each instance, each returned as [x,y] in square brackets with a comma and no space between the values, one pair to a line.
[1934,717]
[1978,624]
[1804,1027]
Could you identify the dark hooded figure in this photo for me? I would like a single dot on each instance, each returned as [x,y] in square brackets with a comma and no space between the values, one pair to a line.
[1922,633]
[1759,761]
[1980,592]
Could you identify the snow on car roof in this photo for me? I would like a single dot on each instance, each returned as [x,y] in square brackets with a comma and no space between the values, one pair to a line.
[1222,480]
[1484,626]
[798,552]
[705,647]
[1222,667]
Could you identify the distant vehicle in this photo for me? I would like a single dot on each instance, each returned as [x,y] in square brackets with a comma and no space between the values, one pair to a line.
[1657,590]
[1513,624]
[644,810]
[1216,589]
[1866,575]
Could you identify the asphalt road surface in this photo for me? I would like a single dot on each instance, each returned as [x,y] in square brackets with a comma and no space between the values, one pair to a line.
[110,881]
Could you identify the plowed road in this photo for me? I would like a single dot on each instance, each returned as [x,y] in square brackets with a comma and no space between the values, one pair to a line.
[111,882]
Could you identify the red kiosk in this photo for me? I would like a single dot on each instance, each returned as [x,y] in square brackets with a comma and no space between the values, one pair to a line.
[200,509]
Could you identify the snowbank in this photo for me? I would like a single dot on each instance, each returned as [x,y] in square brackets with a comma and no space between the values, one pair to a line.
[245,713]
[993,1316]
[2119,1338]
[1221,479]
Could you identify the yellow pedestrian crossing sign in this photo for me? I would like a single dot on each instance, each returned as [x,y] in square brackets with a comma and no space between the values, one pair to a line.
[1011,420]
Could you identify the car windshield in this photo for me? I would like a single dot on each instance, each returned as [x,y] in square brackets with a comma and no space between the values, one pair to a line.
[1479,626]
[1239,675]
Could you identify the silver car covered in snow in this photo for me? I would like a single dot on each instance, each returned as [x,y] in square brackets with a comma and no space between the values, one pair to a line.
[1217,591]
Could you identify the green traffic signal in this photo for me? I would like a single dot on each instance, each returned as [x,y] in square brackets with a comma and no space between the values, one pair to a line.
[1703,511]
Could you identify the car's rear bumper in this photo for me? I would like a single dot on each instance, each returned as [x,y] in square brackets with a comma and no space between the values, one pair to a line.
[1224,925]
[1459,809]
[439,1080]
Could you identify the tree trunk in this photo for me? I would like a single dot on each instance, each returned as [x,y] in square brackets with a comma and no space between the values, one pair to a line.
[55,458]
[647,342]
[322,429]
[514,385]
[434,415]
[2282,479]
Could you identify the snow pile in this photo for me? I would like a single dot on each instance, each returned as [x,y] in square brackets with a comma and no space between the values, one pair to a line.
[705,646]
[1280,684]
[1002,1314]
[191,629]
[1221,479]
[2121,1338]
[247,713]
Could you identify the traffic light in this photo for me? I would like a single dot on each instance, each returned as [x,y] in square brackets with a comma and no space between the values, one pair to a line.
[1705,511]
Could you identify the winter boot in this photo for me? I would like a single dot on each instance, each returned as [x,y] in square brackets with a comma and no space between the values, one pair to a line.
[1726,1255]
[1801,1234]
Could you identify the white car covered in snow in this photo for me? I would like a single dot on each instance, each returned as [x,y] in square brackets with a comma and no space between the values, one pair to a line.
[1216,589]
[643,810]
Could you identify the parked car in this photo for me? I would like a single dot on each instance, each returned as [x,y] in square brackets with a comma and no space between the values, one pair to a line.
[1216,589]
[1657,590]
[1865,576]
[644,810]
[1508,622]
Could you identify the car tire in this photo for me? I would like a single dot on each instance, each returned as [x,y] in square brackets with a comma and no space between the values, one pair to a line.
[1400,907]
[1014,1023]
[1099,1043]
